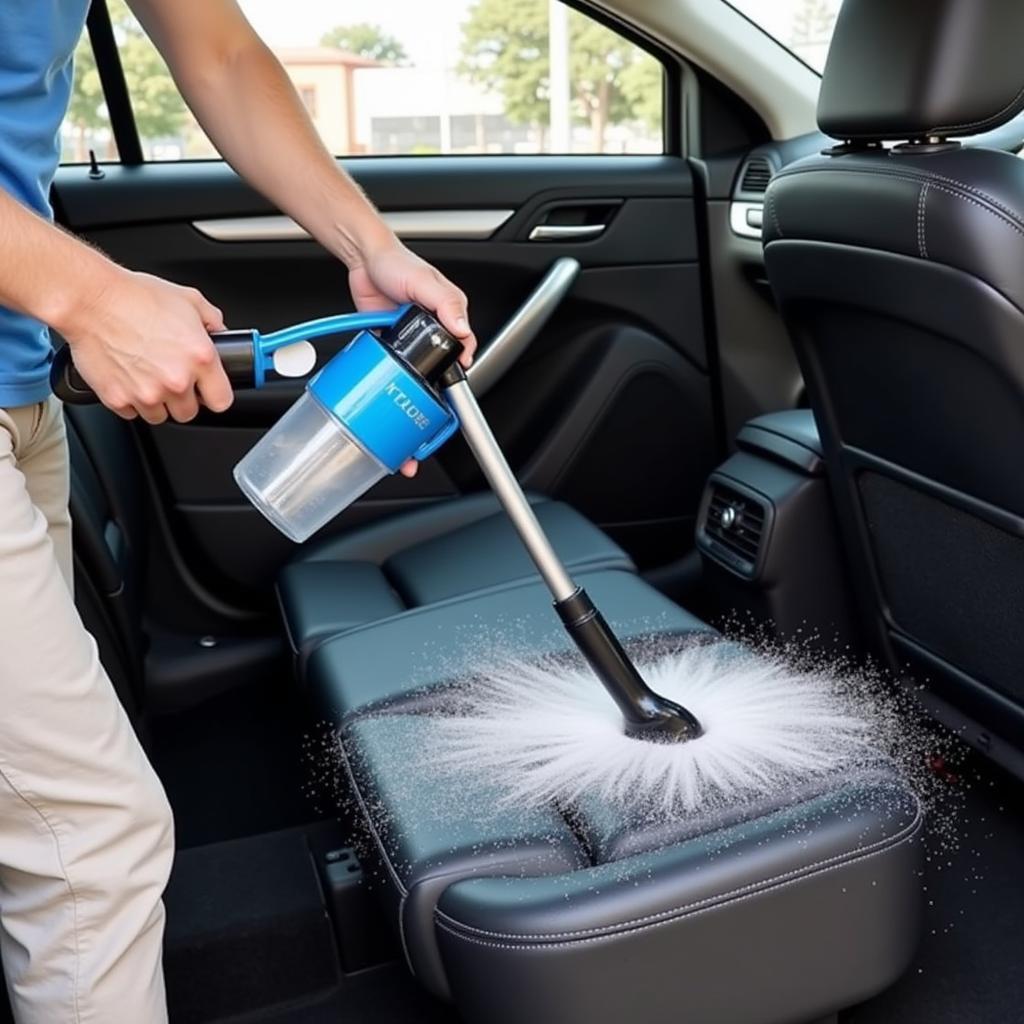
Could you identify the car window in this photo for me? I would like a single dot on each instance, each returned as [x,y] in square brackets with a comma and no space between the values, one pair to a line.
[803,26]
[404,77]
[86,129]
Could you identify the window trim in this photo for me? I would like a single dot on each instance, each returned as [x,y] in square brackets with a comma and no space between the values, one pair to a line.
[129,144]
[113,84]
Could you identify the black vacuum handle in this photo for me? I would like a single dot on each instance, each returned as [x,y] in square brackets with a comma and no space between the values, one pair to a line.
[237,351]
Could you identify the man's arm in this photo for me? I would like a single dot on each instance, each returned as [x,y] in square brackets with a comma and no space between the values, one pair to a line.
[142,343]
[246,103]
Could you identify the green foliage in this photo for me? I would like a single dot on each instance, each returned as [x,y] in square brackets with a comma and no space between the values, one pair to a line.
[366,40]
[505,48]
[87,110]
[160,112]
[642,84]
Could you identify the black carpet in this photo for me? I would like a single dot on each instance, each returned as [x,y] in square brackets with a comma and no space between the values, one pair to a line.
[384,995]
[248,940]
[246,928]
[234,766]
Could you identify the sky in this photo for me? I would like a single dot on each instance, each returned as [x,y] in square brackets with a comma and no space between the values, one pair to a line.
[428,29]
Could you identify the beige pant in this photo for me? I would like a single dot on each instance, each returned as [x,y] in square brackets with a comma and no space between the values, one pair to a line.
[86,837]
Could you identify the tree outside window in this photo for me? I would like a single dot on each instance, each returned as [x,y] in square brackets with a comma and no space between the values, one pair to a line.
[506,49]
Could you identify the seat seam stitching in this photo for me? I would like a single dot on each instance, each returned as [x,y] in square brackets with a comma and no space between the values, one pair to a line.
[733,895]
[1009,221]
[656,921]
[905,174]
[980,122]
[921,242]
[774,211]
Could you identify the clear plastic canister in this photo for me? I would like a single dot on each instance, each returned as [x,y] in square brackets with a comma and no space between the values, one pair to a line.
[306,469]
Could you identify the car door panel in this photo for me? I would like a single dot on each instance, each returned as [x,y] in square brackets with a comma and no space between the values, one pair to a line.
[610,407]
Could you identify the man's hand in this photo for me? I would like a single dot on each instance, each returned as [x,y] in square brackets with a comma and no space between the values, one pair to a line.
[242,97]
[393,274]
[143,345]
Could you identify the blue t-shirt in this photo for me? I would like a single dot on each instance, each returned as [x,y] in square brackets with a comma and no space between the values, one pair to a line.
[37,40]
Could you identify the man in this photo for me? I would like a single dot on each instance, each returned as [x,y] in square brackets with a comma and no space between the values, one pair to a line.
[85,831]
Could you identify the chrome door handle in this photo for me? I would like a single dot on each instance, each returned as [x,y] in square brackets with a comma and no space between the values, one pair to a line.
[565,232]
[523,326]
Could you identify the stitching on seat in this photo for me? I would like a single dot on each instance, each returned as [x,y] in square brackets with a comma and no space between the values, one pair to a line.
[460,931]
[906,174]
[773,212]
[921,245]
[1009,220]
[983,122]
[742,892]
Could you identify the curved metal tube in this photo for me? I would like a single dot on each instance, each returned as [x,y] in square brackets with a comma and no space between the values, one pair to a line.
[523,326]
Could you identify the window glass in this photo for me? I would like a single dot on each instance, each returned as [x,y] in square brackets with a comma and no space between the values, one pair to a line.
[87,125]
[400,77]
[803,26]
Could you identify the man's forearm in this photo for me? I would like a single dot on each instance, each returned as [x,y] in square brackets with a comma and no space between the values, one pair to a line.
[249,108]
[45,272]
[246,103]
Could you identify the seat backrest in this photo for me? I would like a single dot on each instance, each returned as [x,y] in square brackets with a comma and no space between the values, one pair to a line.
[900,273]
[110,541]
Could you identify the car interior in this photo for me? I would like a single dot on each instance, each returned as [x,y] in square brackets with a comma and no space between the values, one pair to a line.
[777,381]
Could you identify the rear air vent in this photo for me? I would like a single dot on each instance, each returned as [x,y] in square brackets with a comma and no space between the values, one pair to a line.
[733,528]
[756,176]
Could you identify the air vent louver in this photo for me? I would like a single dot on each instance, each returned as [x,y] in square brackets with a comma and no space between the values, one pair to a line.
[756,176]
[733,528]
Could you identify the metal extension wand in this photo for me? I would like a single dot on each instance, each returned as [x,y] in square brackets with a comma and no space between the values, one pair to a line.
[648,716]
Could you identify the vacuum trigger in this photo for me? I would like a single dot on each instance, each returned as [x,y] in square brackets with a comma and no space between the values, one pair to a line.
[295,360]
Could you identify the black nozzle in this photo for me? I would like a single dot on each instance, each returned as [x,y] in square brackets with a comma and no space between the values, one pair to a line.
[648,715]
[418,338]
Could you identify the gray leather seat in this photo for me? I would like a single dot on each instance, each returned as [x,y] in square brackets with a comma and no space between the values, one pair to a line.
[378,663]
[781,912]
[446,550]
[900,273]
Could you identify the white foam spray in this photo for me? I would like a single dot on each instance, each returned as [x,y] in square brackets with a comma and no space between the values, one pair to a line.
[549,733]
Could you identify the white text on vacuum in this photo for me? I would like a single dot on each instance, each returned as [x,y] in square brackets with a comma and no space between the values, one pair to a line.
[404,402]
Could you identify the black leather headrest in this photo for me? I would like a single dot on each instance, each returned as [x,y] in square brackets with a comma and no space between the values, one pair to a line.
[902,69]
